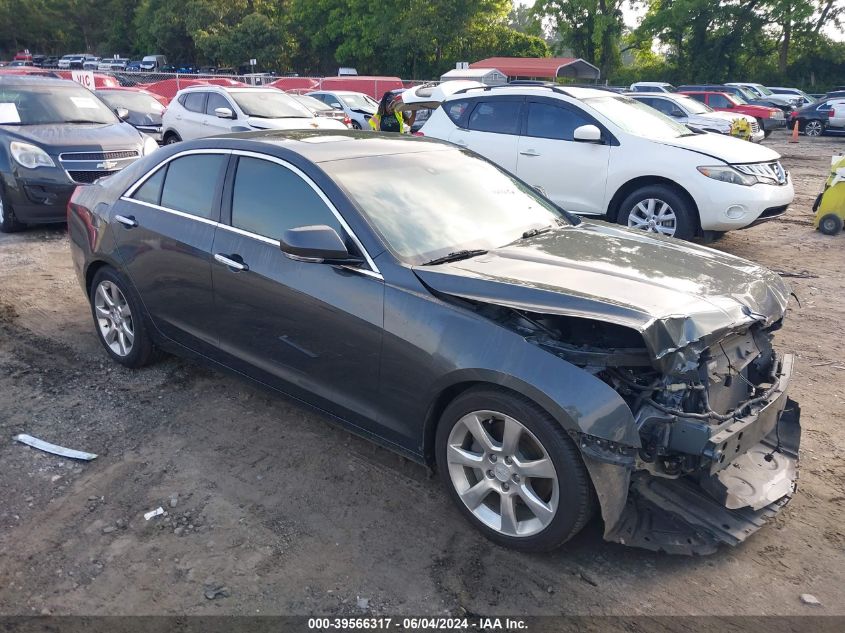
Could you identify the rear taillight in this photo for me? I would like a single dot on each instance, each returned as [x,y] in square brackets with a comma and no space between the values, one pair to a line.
[418,134]
[347,121]
[831,113]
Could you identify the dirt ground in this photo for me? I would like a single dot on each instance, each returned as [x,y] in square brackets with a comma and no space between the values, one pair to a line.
[292,515]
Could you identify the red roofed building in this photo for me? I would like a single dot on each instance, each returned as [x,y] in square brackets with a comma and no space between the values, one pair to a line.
[540,67]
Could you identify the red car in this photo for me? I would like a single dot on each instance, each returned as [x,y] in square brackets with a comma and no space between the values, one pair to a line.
[768,118]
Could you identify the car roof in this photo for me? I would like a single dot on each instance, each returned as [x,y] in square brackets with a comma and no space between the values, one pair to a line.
[319,146]
[207,87]
[541,90]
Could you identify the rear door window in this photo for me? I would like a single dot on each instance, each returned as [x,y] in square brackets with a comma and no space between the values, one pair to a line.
[195,101]
[546,120]
[150,191]
[500,117]
[268,199]
[456,111]
[191,183]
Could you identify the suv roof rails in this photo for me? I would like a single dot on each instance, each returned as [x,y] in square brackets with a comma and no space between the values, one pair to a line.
[550,86]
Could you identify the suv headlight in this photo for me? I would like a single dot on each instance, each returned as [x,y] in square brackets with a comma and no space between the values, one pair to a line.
[30,156]
[149,145]
[725,173]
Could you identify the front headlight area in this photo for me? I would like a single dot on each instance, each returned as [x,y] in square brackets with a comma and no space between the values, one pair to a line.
[30,156]
[150,145]
[726,173]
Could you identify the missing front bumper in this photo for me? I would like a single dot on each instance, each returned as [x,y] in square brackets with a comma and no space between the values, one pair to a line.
[682,516]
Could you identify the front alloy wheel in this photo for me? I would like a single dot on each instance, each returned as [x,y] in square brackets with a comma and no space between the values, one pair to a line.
[502,473]
[655,216]
[813,128]
[512,470]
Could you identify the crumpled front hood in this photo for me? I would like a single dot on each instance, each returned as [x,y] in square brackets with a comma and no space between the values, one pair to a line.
[674,293]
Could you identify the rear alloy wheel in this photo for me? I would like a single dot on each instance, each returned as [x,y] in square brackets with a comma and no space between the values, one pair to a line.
[119,320]
[8,222]
[658,209]
[814,128]
[512,470]
[830,224]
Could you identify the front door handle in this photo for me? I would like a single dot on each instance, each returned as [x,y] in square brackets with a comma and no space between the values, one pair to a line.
[126,220]
[233,264]
[530,152]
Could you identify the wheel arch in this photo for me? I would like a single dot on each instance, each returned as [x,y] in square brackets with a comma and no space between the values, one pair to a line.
[643,181]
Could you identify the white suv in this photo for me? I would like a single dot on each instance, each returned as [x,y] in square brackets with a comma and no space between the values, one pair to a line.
[598,153]
[201,111]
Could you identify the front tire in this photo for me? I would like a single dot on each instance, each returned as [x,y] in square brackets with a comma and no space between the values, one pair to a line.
[659,209]
[8,222]
[356,125]
[512,470]
[119,320]
[171,137]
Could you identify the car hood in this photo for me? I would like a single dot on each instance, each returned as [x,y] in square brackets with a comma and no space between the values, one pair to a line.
[56,138]
[708,119]
[681,297]
[296,123]
[725,148]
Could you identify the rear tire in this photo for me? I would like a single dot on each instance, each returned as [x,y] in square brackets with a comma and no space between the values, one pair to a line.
[830,224]
[171,137]
[531,492]
[814,128]
[8,222]
[660,209]
[119,320]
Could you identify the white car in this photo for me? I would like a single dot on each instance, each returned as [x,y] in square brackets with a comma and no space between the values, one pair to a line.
[201,111]
[112,64]
[602,154]
[693,113]
[761,92]
[652,86]
[359,107]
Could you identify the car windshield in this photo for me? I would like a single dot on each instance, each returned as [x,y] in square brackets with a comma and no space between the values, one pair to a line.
[313,104]
[270,104]
[763,90]
[430,204]
[133,101]
[744,96]
[358,102]
[637,118]
[739,99]
[41,105]
[692,106]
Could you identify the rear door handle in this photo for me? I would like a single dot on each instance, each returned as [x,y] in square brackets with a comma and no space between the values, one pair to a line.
[530,152]
[227,260]
[128,221]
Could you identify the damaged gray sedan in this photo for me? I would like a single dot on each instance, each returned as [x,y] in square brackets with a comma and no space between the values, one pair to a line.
[552,368]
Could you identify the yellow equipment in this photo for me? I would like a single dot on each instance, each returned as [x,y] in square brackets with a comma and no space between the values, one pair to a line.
[830,205]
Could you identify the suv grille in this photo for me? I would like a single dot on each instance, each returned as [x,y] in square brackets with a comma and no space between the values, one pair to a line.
[99,155]
[87,177]
[773,172]
[755,127]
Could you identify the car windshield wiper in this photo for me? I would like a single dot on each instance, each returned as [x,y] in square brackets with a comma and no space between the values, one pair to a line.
[456,256]
[533,232]
[82,121]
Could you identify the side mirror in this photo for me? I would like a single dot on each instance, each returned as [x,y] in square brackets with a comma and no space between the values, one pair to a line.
[224,113]
[316,244]
[122,113]
[587,134]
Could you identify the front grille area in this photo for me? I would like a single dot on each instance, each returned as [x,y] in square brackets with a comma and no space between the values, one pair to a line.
[87,177]
[126,153]
[773,171]
[755,127]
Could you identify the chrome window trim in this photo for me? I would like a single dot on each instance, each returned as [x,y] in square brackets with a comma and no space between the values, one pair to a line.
[127,197]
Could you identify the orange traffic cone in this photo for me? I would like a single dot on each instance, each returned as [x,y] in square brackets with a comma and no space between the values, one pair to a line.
[794,138]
